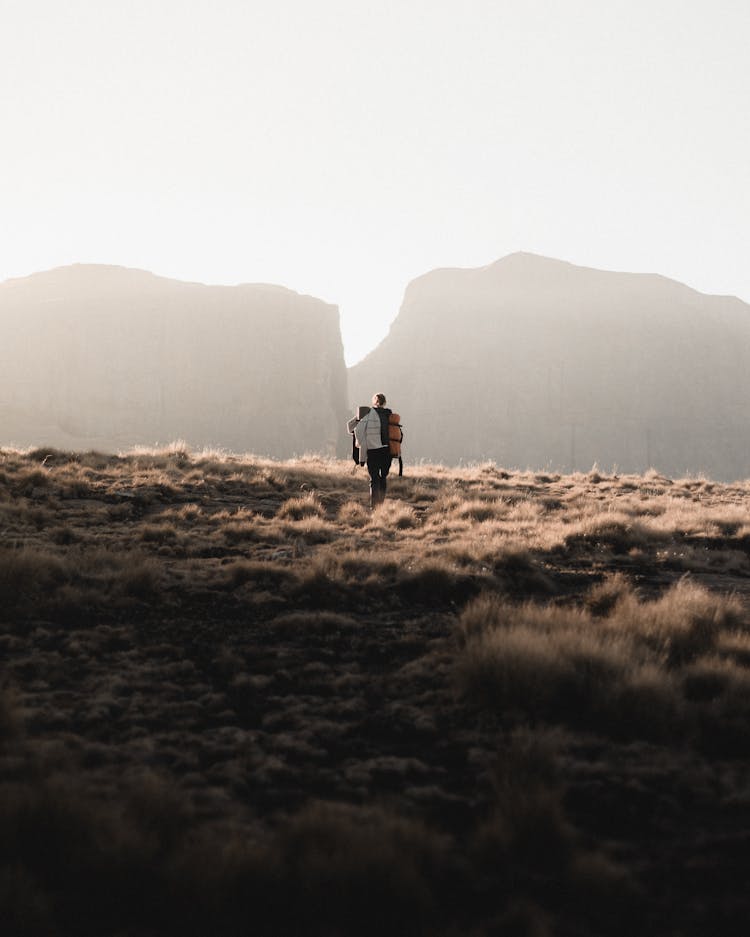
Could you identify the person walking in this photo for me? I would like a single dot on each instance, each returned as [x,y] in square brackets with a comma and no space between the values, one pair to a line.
[371,434]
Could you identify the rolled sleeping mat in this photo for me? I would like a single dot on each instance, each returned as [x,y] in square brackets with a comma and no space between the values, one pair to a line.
[394,434]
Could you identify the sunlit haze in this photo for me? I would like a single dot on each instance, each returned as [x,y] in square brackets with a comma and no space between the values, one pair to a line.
[342,148]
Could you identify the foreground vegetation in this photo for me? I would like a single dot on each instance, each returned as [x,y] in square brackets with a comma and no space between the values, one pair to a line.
[235,701]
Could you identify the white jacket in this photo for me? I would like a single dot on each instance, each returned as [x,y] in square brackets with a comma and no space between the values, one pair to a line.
[367,434]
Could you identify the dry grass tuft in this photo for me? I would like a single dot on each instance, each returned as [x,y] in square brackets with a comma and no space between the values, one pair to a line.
[616,663]
[311,530]
[159,533]
[297,509]
[270,576]
[26,574]
[613,589]
[477,510]
[436,583]
[393,516]
[385,869]
[527,832]
[682,624]
[141,578]
[617,533]
[353,514]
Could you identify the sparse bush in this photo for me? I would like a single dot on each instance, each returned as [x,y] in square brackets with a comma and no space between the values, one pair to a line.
[484,614]
[310,530]
[735,646]
[646,704]
[616,533]
[243,532]
[158,533]
[353,514]
[26,574]
[188,512]
[317,589]
[682,624]
[527,832]
[705,679]
[437,584]
[602,598]
[477,510]
[86,869]
[385,869]
[558,674]
[76,488]
[447,503]
[394,516]
[520,574]
[609,671]
[263,575]
[48,457]
[76,604]
[368,566]
[141,579]
[296,509]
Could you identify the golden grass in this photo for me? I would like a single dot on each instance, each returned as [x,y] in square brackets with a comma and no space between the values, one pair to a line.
[472,521]
[615,663]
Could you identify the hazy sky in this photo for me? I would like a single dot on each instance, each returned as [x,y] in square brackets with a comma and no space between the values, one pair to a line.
[343,147]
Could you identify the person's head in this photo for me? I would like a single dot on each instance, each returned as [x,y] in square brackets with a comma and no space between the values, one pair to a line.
[378,400]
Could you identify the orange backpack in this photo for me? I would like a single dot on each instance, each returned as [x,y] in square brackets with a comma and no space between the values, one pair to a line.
[395,438]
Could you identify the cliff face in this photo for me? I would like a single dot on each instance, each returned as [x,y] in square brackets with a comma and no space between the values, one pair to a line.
[539,363]
[107,357]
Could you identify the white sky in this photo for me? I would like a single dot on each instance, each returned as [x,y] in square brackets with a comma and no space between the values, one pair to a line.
[343,147]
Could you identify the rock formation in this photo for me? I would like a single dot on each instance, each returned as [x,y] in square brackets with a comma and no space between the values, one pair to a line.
[107,357]
[538,363]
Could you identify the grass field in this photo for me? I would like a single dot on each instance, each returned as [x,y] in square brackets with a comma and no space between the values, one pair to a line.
[234,701]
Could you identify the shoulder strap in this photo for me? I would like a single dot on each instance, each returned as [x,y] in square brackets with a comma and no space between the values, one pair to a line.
[383,413]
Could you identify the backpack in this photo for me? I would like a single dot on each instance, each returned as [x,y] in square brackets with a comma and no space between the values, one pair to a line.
[395,438]
[391,433]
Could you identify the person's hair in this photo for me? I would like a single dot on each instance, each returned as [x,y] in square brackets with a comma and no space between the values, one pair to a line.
[378,400]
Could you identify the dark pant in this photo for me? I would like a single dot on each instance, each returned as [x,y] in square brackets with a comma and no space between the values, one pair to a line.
[378,465]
